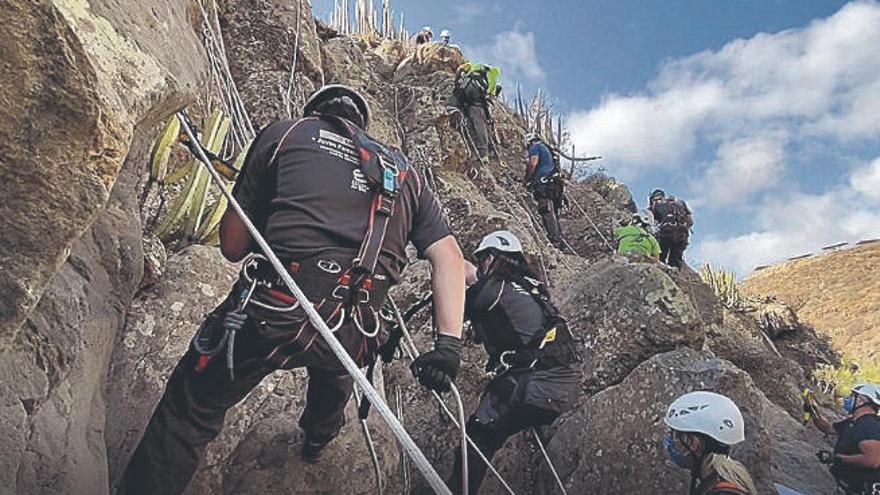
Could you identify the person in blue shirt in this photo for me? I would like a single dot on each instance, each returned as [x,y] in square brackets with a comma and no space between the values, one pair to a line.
[543,179]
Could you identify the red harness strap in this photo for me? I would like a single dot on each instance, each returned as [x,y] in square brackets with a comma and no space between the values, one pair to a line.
[726,487]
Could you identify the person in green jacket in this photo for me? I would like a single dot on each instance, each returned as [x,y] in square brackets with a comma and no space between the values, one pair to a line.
[474,84]
[636,238]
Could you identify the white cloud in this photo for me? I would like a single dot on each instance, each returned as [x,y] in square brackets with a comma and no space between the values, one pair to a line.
[801,224]
[743,167]
[821,81]
[513,51]
[467,12]
[867,180]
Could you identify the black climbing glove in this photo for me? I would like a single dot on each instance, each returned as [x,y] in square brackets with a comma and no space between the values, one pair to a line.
[827,457]
[234,321]
[437,369]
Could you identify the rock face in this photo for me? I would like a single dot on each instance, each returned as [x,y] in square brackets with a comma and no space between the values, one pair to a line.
[835,293]
[53,374]
[78,78]
[624,312]
[614,442]
[80,379]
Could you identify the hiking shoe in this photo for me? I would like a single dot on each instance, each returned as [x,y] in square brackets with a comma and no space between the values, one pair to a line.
[312,451]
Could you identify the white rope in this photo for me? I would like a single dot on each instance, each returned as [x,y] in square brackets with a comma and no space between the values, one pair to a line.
[409,348]
[549,463]
[584,213]
[371,447]
[421,462]
[287,100]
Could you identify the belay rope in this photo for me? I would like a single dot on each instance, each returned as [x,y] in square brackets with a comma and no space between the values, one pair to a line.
[370,393]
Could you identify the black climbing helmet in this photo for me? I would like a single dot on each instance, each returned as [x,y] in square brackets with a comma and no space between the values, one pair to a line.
[658,193]
[339,95]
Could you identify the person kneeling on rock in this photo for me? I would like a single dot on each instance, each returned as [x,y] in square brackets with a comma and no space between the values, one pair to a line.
[855,460]
[339,209]
[636,237]
[530,348]
[703,427]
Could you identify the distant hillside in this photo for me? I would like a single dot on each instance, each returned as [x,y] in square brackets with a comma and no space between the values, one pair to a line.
[838,293]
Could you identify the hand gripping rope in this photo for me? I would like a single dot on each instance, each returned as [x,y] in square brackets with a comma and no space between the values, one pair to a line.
[409,348]
[421,462]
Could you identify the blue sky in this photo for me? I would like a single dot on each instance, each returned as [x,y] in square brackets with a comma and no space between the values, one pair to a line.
[764,115]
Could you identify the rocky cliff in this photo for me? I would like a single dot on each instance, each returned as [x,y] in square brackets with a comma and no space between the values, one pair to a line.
[91,342]
[837,292]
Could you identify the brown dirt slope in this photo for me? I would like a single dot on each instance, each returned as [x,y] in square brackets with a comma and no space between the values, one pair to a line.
[838,293]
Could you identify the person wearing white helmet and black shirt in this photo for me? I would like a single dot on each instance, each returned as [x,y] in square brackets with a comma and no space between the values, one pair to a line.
[530,349]
[424,36]
[338,208]
[855,460]
[703,426]
[445,36]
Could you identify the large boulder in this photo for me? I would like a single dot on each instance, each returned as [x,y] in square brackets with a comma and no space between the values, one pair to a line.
[77,78]
[623,312]
[52,376]
[613,444]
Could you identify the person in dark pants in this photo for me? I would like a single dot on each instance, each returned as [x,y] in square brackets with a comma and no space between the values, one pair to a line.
[545,182]
[855,460]
[530,348]
[310,187]
[474,84]
[674,221]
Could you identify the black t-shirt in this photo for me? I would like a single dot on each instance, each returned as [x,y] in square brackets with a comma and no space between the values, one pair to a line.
[309,197]
[850,433]
[504,313]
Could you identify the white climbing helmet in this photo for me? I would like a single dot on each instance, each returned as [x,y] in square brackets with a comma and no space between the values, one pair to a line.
[709,413]
[502,240]
[869,390]
[445,33]
[531,137]
[643,217]
[427,29]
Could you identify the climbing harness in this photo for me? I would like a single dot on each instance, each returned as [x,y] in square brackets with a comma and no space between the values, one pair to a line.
[370,393]
[409,348]
[371,447]
[549,462]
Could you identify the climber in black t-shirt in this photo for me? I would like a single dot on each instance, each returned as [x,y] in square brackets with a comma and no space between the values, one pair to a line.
[855,460]
[674,221]
[531,351]
[338,208]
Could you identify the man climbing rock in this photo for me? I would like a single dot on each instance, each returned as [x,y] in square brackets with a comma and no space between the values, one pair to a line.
[424,36]
[674,221]
[445,36]
[474,85]
[339,215]
[855,460]
[703,427]
[530,349]
[636,237]
[543,178]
